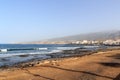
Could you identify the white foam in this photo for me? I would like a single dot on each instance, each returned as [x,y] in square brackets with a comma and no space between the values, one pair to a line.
[3,50]
[55,51]
[17,54]
[41,48]
[67,48]
[91,46]
[58,49]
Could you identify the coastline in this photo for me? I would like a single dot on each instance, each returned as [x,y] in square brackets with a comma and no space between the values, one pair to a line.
[65,54]
[79,52]
[100,65]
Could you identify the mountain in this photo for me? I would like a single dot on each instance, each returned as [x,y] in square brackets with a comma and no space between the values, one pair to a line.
[91,36]
[101,36]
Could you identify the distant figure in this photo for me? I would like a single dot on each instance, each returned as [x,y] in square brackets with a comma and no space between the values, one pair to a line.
[117,78]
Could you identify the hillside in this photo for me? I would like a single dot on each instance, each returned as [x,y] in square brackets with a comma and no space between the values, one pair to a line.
[91,36]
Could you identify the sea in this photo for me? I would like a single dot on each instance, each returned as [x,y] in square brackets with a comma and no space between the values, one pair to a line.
[16,53]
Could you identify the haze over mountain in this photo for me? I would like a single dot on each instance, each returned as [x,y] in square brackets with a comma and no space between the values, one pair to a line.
[105,35]
[91,36]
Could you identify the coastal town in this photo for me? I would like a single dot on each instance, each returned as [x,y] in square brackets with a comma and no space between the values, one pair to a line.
[93,42]
[84,42]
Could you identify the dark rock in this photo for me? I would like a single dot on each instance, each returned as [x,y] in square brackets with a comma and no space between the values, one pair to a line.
[23,55]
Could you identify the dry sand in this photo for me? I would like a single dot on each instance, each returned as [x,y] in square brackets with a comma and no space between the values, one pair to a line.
[98,66]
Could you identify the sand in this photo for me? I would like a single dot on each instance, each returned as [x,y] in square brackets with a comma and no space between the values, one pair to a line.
[98,66]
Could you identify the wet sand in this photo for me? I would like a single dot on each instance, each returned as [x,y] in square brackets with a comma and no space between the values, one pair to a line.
[99,66]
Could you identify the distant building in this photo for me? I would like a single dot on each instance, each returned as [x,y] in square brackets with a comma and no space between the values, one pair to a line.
[112,42]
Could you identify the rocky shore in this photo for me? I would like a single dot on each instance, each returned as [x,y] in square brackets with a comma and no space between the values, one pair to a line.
[103,64]
[79,52]
[57,56]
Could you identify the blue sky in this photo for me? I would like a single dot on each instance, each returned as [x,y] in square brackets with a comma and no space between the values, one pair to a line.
[32,20]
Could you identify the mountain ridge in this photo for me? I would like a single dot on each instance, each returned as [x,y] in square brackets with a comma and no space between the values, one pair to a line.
[91,36]
[99,36]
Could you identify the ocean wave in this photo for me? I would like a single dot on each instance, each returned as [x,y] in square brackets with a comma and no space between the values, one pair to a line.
[55,51]
[18,54]
[41,48]
[91,46]
[67,48]
[3,50]
[19,49]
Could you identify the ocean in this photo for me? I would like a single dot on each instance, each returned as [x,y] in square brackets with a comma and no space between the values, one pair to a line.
[15,53]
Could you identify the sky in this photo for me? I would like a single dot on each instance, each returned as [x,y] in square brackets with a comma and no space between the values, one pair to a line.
[34,20]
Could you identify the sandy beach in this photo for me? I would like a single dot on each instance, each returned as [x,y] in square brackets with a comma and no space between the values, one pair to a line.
[98,66]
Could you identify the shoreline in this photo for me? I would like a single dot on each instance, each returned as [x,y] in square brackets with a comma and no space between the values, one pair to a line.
[79,52]
[102,65]
[55,57]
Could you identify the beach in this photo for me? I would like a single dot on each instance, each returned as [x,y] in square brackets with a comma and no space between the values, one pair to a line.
[102,65]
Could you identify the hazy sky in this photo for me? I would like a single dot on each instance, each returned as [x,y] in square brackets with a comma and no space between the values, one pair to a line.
[32,20]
